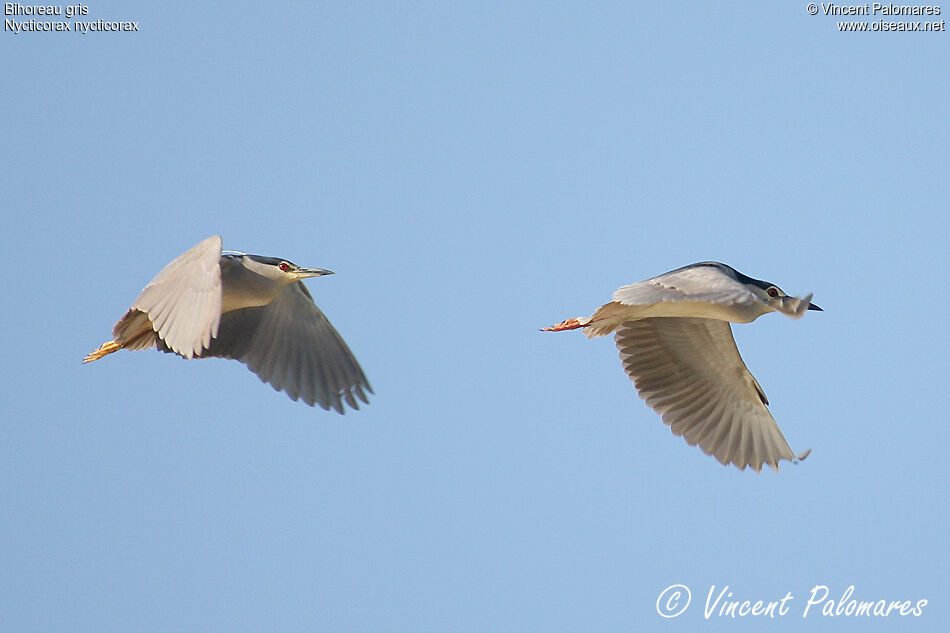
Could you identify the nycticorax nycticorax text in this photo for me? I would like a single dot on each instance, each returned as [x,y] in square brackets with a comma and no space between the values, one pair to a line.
[250,308]
[676,346]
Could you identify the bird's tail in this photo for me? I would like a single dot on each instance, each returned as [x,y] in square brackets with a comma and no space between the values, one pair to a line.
[103,350]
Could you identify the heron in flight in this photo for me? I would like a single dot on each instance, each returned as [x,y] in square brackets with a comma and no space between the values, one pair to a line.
[254,309]
[676,346]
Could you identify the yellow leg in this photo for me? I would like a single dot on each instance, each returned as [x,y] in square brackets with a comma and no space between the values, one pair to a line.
[104,349]
[569,324]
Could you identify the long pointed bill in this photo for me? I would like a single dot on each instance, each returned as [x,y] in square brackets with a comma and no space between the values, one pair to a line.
[795,307]
[812,306]
[303,273]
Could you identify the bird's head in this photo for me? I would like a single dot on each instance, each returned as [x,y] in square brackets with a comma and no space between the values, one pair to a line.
[280,270]
[778,300]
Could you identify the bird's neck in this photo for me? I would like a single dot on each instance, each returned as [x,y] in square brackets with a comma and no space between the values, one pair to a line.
[243,288]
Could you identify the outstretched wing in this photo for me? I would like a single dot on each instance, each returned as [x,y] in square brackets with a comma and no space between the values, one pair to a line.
[690,372]
[183,301]
[291,344]
[697,283]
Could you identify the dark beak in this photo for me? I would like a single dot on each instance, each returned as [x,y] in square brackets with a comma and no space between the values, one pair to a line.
[812,306]
[303,273]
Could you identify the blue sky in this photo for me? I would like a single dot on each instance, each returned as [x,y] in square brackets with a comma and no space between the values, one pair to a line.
[472,172]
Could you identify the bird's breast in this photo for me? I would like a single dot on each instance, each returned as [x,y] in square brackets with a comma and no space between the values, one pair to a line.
[606,319]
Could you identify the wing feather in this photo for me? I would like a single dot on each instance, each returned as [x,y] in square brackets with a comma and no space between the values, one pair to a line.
[693,284]
[291,344]
[183,301]
[690,372]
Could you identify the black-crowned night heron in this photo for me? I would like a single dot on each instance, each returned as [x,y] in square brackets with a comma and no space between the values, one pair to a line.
[250,308]
[676,346]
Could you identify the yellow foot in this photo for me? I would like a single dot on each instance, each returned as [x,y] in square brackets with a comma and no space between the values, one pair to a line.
[104,349]
[569,324]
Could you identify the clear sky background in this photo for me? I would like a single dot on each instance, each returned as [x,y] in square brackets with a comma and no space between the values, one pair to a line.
[472,171]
